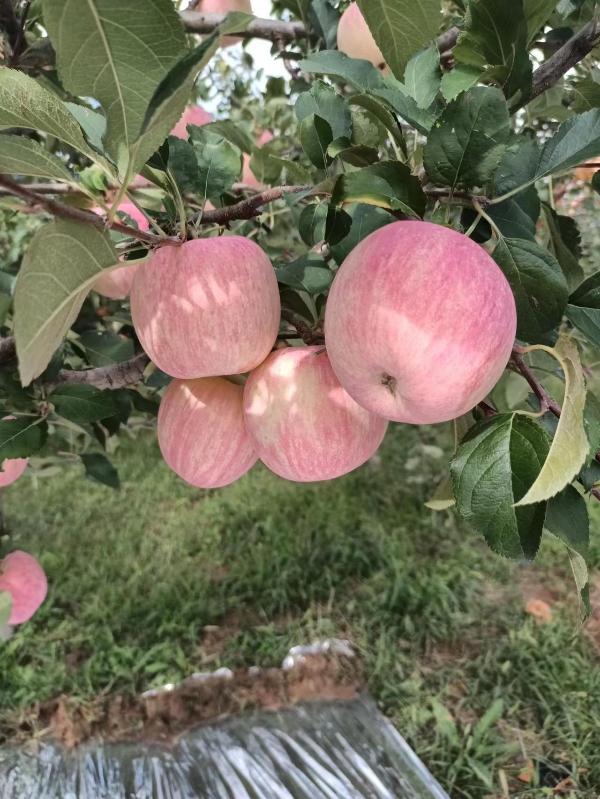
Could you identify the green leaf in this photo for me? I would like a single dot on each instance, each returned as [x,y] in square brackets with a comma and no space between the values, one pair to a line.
[357,72]
[538,285]
[496,463]
[460,79]
[232,132]
[264,166]
[424,76]
[92,123]
[20,156]
[219,162]
[99,469]
[337,226]
[496,34]
[312,223]
[326,103]
[26,104]
[587,95]
[296,172]
[22,437]
[117,53]
[380,110]
[81,402]
[537,13]
[445,722]
[469,139]
[570,446]
[491,717]
[325,19]
[6,604]
[576,140]
[105,348]
[401,27]
[406,108]
[183,164]
[518,164]
[59,267]
[308,273]
[587,295]
[564,255]
[586,320]
[517,217]
[315,137]
[366,219]
[388,184]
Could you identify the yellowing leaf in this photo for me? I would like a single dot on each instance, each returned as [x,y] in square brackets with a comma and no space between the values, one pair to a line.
[443,497]
[570,445]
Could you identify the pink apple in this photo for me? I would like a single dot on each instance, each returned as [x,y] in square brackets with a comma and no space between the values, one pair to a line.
[193,115]
[208,308]
[116,284]
[24,579]
[356,40]
[12,468]
[419,324]
[302,423]
[248,177]
[224,7]
[201,431]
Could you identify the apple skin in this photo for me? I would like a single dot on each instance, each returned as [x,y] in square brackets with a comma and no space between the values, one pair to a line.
[224,7]
[356,40]
[420,323]
[302,423]
[116,284]
[12,468]
[248,177]
[207,308]
[24,579]
[202,434]
[193,115]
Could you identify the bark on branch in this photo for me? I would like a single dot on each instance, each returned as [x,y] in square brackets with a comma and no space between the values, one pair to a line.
[246,209]
[115,375]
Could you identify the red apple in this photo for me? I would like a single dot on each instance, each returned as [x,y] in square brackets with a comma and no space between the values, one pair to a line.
[419,324]
[24,579]
[248,176]
[202,434]
[117,284]
[224,7]
[356,40]
[208,308]
[193,115]
[12,468]
[302,423]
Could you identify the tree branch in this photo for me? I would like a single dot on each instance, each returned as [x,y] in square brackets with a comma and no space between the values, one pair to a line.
[246,209]
[69,212]
[115,375]
[271,29]
[304,330]
[545,400]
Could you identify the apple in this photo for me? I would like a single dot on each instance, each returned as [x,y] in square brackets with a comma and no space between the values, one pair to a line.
[224,7]
[24,579]
[193,115]
[12,468]
[207,308]
[419,324]
[116,284]
[248,177]
[303,425]
[356,40]
[201,431]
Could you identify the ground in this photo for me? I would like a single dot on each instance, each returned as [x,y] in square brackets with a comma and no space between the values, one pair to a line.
[161,580]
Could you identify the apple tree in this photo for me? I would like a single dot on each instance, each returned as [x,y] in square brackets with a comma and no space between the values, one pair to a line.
[430,138]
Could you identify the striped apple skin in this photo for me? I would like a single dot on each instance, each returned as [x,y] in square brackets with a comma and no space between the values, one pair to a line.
[24,579]
[356,40]
[116,284]
[201,431]
[208,308]
[420,323]
[302,423]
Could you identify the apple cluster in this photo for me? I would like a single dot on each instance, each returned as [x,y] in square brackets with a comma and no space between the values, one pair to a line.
[419,326]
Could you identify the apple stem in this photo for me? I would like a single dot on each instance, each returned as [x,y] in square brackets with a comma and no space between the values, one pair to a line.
[305,331]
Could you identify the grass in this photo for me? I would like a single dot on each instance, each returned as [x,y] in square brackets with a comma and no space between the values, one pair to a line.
[438,620]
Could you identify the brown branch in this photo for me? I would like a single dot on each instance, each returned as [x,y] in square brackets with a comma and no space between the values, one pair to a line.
[115,375]
[545,400]
[69,212]
[270,29]
[304,330]
[246,209]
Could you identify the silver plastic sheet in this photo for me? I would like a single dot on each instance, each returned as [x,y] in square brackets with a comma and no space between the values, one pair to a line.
[320,750]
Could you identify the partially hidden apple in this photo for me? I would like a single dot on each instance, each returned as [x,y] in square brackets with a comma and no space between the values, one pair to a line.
[303,425]
[116,284]
[207,308]
[201,431]
[248,177]
[224,7]
[419,324]
[24,579]
[193,115]
[12,468]
[356,40]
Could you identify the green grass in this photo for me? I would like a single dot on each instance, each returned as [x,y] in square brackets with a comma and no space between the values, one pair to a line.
[136,576]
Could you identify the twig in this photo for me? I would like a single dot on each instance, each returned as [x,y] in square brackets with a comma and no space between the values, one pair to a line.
[115,375]
[305,331]
[246,209]
[545,400]
[295,73]
[69,212]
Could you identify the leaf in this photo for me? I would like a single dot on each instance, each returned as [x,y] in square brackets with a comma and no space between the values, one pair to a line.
[388,184]
[443,497]
[105,348]
[264,167]
[6,603]
[424,76]
[491,717]
[568,261]
[469,139]
[326,103]
[308,273]
[92,123]
[460,79]
[99,469]
[232,132]
[296,172]
[587,95]
[401,27]
[537,13]
[117,53]
[337,226]
[518,164]
[219,162]
[587,320]
[570,446]
[315,137]
[312,223]
[357,72]
[517,217]
[81,402]
[445,721]
[575,141]
[20,156]
[22,437]
[324,19]
[183,164]
[380,110]
[494,465]
[406,108]
[26,104]
[59,267]
[366,219]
